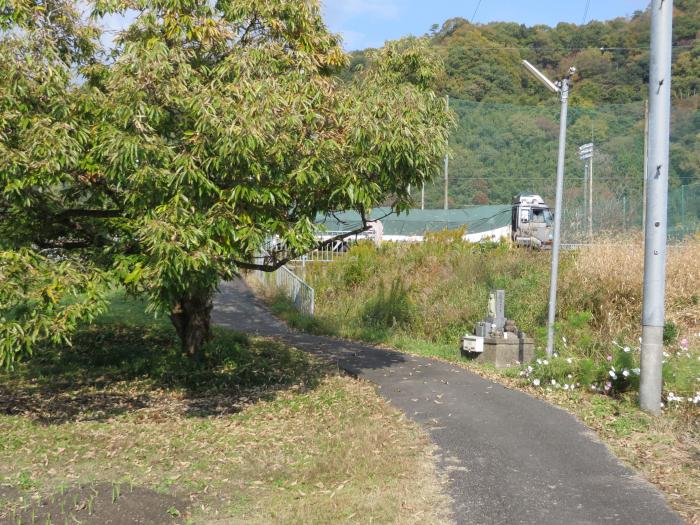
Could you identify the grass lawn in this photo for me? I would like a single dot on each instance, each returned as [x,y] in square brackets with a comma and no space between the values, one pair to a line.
[120,427]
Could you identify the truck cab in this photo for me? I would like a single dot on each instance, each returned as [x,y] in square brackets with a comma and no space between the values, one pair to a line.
[532,221]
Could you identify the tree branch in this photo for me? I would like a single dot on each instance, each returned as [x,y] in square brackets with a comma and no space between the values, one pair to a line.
[275,263]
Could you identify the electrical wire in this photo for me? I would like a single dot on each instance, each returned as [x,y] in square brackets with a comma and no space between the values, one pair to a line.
[585,12]
[478,4]
[602,49]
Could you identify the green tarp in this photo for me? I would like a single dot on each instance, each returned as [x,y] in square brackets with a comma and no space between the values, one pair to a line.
[477,219]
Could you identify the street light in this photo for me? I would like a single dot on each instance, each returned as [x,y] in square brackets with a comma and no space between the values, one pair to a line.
[540,76]
[561,87]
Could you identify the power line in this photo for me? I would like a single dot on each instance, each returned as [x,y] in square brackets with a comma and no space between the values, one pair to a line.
[585,12]
[525,177]
[602,49]
[478,4]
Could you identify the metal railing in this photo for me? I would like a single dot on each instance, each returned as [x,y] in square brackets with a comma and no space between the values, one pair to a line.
[333,251]
[294,287]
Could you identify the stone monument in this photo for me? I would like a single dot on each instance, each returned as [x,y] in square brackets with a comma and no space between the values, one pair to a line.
[497,340]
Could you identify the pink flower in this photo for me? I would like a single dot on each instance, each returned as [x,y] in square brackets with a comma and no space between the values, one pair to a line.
[684,343]
[609,358]
[608,386]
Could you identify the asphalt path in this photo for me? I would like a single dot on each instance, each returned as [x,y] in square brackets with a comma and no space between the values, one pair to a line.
[509,458]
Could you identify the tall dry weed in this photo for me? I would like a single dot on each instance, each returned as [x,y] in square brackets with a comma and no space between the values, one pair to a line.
[607,280]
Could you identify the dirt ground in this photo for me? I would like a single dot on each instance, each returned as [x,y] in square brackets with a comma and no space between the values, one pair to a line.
[100,504]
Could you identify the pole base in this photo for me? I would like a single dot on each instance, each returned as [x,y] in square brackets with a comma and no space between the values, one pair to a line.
[650,381]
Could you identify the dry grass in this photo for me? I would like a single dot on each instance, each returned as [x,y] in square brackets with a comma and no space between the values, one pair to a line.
[606,280]
[337,453]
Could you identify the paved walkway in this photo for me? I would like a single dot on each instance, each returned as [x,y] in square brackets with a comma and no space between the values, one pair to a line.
[510,458]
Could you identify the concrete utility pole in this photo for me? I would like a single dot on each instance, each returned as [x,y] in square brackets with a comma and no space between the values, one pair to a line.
[646,153]
[590,197]
[585,196]
[561,88]
[447,159]
[657,205]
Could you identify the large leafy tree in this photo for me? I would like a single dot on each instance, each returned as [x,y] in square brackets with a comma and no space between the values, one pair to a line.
[44,294]
[212,128]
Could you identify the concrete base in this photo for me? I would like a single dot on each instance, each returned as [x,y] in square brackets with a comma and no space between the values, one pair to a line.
[505,351]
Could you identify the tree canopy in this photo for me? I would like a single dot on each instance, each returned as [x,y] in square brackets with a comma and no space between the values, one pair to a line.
[163,165]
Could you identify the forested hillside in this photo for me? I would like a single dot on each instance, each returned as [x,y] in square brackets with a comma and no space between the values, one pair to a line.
[483,61]
[505,140]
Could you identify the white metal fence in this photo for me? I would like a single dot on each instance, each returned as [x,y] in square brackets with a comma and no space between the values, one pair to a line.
[294,287]
[334,251]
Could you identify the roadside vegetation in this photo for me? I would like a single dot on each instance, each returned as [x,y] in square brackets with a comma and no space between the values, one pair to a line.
[422,298]
[122,425]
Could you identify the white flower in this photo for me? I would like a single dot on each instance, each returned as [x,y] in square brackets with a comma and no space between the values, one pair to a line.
[673,397]
[554,354]
[665,354]
[569,360]
[563,339]
[636,371]
[566,387]
[545,362]
[625,372]
[612,374]
[569,376]
[539,361]
[626,349]
[529,369]
[536,382]
[554,381]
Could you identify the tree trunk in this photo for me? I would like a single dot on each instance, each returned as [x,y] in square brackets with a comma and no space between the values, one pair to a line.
[191,317]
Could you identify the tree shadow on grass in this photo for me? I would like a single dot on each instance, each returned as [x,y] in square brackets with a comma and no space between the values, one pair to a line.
[116,369]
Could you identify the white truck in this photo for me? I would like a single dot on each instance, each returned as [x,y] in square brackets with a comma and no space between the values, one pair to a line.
[532,222]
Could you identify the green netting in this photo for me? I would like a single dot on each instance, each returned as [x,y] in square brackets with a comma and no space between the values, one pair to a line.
[476,219]
[500,150]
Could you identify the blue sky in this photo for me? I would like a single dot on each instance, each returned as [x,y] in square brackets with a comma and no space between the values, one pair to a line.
[368,23]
